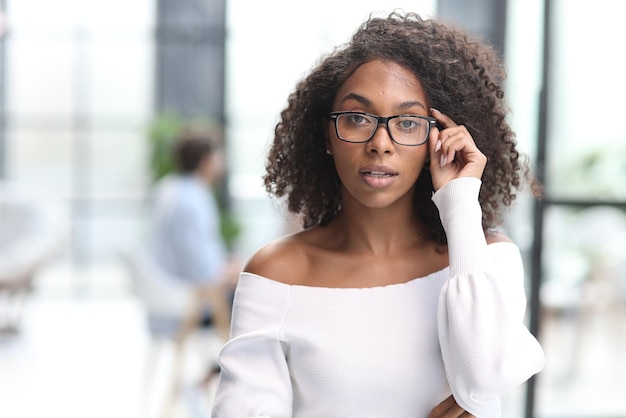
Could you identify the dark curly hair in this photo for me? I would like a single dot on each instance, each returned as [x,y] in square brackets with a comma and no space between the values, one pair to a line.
[461,76]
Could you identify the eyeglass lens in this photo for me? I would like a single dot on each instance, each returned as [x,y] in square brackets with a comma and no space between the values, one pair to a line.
[405,130]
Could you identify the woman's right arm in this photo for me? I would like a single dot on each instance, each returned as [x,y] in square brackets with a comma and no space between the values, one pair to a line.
[254,378]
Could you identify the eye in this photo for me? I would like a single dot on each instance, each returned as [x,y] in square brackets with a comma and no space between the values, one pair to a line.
[408,123]
[357,119]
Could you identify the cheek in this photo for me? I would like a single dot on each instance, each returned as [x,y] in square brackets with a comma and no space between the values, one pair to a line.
[415,164]
[341,151]
[343,158]
[346,159]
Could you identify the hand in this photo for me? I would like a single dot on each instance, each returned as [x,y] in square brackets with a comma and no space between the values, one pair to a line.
[449,409]
[453,153]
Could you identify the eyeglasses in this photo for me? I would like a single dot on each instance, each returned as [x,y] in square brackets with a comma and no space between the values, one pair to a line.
[359,127]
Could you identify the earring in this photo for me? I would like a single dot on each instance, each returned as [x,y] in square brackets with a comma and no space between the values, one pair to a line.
[328,152]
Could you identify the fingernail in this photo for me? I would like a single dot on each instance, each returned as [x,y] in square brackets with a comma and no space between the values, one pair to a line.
[442,160]
[438,145]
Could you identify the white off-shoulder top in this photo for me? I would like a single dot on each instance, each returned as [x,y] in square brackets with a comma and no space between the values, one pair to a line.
[391,351]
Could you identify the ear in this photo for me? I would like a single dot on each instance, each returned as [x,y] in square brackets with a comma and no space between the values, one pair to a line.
[329,149]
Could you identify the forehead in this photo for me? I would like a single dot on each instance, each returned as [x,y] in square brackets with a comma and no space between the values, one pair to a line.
[382,80]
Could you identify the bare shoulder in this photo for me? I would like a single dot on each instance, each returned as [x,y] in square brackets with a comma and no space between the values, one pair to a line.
[281,259]
[493,237]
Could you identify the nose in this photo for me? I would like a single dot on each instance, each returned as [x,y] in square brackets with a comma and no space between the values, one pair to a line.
[381,142]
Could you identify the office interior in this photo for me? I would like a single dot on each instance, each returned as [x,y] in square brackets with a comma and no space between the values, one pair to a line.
[82,83]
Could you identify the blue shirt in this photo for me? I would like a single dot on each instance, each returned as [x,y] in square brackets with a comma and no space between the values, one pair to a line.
[186,239]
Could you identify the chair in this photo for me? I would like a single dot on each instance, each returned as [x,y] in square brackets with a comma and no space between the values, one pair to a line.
[173,311]
[34,227]
[166,299]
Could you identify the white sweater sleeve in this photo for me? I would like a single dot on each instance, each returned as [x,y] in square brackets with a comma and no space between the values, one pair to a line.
[254,379]
[486,348]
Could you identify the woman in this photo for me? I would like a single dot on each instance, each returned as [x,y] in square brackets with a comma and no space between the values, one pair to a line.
[398,299]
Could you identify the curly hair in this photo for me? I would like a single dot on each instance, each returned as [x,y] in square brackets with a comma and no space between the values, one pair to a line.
[461,76]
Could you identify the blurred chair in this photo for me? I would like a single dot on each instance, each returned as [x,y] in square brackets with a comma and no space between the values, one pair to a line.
[34,228]
[167,301]
[174,311]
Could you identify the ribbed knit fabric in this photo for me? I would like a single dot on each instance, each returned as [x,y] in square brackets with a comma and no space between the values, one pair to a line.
[461,217]
[391,351]
[485,346]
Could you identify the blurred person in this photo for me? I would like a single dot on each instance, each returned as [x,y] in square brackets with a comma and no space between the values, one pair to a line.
[399,298]
[185,227]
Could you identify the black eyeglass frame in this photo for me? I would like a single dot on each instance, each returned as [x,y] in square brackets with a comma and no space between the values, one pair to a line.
[432,122]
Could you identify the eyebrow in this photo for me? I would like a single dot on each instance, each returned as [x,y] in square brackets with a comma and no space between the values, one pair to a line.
[365,101]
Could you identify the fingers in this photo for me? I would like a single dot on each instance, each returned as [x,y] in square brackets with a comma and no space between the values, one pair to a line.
[448,408]
[452,139]
[454,143]
[442,408]
[450,142]
[453,152]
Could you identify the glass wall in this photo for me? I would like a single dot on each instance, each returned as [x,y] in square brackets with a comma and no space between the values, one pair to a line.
[78,96]
[586,136]
[583,297]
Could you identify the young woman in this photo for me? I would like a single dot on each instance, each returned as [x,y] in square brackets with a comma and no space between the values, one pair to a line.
[398,299]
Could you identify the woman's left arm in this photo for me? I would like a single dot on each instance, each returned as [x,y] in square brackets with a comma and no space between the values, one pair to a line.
[487,350]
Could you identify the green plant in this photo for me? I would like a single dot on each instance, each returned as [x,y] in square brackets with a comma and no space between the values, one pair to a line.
[161,134]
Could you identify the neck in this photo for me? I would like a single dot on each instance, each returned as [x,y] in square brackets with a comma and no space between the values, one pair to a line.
[379,231]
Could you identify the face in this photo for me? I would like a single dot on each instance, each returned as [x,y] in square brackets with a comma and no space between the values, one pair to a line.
[379,173]
[212,167]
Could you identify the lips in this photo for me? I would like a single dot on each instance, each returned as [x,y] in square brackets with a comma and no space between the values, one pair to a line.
[378,171]
[378,176]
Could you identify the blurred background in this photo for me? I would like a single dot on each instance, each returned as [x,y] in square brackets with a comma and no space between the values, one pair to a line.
[88,89]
